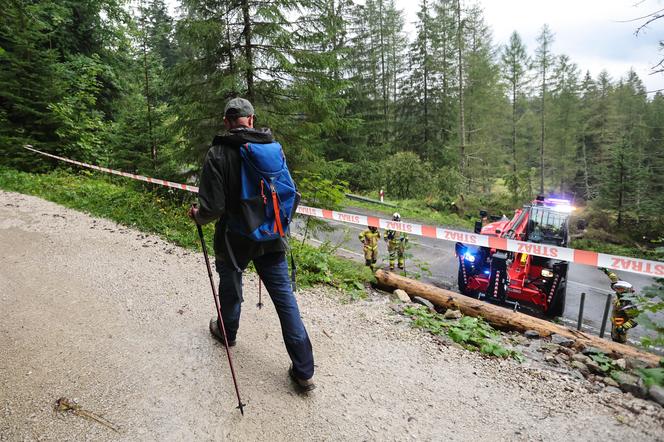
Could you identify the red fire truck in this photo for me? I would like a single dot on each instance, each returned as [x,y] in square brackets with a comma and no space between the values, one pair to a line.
[510,278]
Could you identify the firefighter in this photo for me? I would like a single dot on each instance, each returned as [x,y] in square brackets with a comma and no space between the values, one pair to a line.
[396,244]
[624,311]
[369,238]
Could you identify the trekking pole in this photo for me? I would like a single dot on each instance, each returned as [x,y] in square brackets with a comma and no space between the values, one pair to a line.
[260,297]
[217,304]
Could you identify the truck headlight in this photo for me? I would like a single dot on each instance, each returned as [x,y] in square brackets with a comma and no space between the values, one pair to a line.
[547,273]
[469,257]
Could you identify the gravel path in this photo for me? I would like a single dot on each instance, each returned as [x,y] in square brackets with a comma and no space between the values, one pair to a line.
[118,321]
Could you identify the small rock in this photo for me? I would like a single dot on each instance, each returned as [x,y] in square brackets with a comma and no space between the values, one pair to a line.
[402,295]
[561,340]
[609,381]
[531,334]
[424,302]
[548,346]
[633,363]
[656,393]
[563,356]
[621,364]
[630,384]
[520,339]
[566,351]
[581,358]
[452,314]
[577,374]
[550,359]
[560,360]
[613,390]
[591,351]
[594,367]
[581,367]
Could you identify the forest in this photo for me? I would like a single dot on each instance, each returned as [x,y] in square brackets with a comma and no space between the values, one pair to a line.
[446,116]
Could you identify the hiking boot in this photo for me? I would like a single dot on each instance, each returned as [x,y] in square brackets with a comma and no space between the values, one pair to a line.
[303,384]
[216,333]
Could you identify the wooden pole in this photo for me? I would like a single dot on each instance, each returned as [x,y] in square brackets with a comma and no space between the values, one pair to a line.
[506,319]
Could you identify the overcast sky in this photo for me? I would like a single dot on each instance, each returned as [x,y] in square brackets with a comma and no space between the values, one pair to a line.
[588,31]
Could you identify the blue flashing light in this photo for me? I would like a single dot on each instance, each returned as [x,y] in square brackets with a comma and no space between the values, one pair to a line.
[487,272]
[469,257]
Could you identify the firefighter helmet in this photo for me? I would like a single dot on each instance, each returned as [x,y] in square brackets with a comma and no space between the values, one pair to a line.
[396,217]
[621,287]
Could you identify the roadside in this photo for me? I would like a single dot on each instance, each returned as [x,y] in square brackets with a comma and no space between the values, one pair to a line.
[118,320]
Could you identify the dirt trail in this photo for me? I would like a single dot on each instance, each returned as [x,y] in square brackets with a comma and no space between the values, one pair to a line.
[118,320]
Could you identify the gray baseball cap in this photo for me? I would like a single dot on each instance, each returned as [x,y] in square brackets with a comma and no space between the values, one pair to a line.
[238,107]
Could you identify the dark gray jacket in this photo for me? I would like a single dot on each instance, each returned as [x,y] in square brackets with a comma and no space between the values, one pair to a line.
[219,194]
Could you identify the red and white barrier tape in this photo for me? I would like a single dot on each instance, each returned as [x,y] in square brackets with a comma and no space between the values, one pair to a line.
[624,263]
[147,179]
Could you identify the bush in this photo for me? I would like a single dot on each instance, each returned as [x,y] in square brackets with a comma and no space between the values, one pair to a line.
[406,175]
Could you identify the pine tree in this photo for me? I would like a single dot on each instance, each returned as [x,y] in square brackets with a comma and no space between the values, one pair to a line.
[543,62]
[485,103]
[565,123]
[515,62]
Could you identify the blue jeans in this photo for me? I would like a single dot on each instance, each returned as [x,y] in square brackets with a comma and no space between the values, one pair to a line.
[273,271]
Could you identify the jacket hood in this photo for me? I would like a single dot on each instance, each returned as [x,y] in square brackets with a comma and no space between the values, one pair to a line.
[243,135]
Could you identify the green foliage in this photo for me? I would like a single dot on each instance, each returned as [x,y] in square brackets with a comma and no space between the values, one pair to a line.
[651,305]
[474,334]
[81,126]
[321,192]
[651,376]
[605,363]
[319,265]
[164,214]
[406,175]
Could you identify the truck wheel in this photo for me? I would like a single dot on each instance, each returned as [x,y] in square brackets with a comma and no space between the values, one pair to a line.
[557,307]
[462,285]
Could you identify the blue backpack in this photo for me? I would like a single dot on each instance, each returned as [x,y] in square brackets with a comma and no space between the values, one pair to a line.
[268,196]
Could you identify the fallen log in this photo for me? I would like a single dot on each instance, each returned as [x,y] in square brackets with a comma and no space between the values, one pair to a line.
[506,319]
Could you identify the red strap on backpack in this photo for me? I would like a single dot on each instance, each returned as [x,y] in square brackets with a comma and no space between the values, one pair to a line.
[263,194]
[277,217]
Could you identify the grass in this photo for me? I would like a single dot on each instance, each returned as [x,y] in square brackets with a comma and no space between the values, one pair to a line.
[473,334]
[411,210]
[617,249]
[163,212]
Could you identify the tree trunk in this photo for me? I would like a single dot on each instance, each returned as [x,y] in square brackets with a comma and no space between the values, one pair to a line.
[248,51]
[542,132]
[507,319]
[586,182]
[462,129]
[382,61]
[153,143]
[514,87]
[425,63]
[621,189]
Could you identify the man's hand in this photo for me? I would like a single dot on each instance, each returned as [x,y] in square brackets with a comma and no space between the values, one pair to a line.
[193,211]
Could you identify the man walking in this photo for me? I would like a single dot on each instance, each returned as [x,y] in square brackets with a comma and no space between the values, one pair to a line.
[219,199]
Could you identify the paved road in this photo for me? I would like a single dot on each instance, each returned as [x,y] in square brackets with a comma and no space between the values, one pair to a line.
[434,260]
